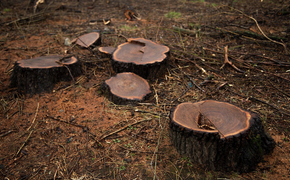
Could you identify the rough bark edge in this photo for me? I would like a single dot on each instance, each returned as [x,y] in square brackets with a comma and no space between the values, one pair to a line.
[105,54]
[147,71]
[37,80]
[239,153]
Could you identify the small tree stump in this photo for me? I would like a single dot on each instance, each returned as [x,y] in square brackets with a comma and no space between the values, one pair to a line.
[126,88]
[37,75]
[219,135]
[106,51]
[87,40]
[141,56]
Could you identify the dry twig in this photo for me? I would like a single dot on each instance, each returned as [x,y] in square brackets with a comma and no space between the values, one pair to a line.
[26,140]
[158,29]
[121,129]
[283,44]
[229,62]
[60,62]
[34,117]
[259,100]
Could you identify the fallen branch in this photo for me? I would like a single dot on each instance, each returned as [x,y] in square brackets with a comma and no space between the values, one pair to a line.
[288,95]
[29,19]
[256,99]
[6,133]
[121,129]
[34,117]
[193,82]
[26,140]
[283,44]
[85,128]
[59,120]
[188,88]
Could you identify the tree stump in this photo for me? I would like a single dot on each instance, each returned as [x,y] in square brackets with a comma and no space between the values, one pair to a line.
[126,88]
[106,51]
[141,56]
[219,136]
[32,76]
[87,40]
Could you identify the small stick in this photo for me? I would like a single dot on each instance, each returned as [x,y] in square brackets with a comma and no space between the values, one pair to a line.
[85,128]
[26,140]
[180,95]
[62,64]
[121,129]
[14,160]
[7,64]
[193,82]
[156,150]
[156,95]
[56,119]
[132,150]
[283,44]
[8,132]
[120,35]
[229,62]
[72,168]
[34,117]
[158,29]
[256,99]
[101,115]
[288,95]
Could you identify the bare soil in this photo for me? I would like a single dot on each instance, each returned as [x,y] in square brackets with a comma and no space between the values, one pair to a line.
[79,134]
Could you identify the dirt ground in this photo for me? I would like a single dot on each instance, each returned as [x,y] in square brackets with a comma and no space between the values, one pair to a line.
[63,135]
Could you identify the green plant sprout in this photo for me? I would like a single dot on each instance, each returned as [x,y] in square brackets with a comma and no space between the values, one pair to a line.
[116,140]
[128,145]
[128,28]
[197,0]
[131,127]
[173,14]
[122,168]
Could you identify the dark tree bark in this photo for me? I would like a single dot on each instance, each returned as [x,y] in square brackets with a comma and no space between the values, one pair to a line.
[219,136]
[126,88]
[142,57]
[32,76]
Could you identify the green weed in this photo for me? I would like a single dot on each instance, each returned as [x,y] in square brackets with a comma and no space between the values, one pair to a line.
[173,14]
[197,0]
[131,127]
[128,28]
[122,168]
[116,140]
[128,145]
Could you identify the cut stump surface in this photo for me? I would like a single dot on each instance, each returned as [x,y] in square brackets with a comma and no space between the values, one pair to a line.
[106,51]
[126,88]
[141,56]
[88,40]
[219,135]
[32,76]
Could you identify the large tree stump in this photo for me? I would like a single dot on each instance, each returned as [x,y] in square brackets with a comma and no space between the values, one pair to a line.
[37,75]
[126,88]
[219,136]
[141,56]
